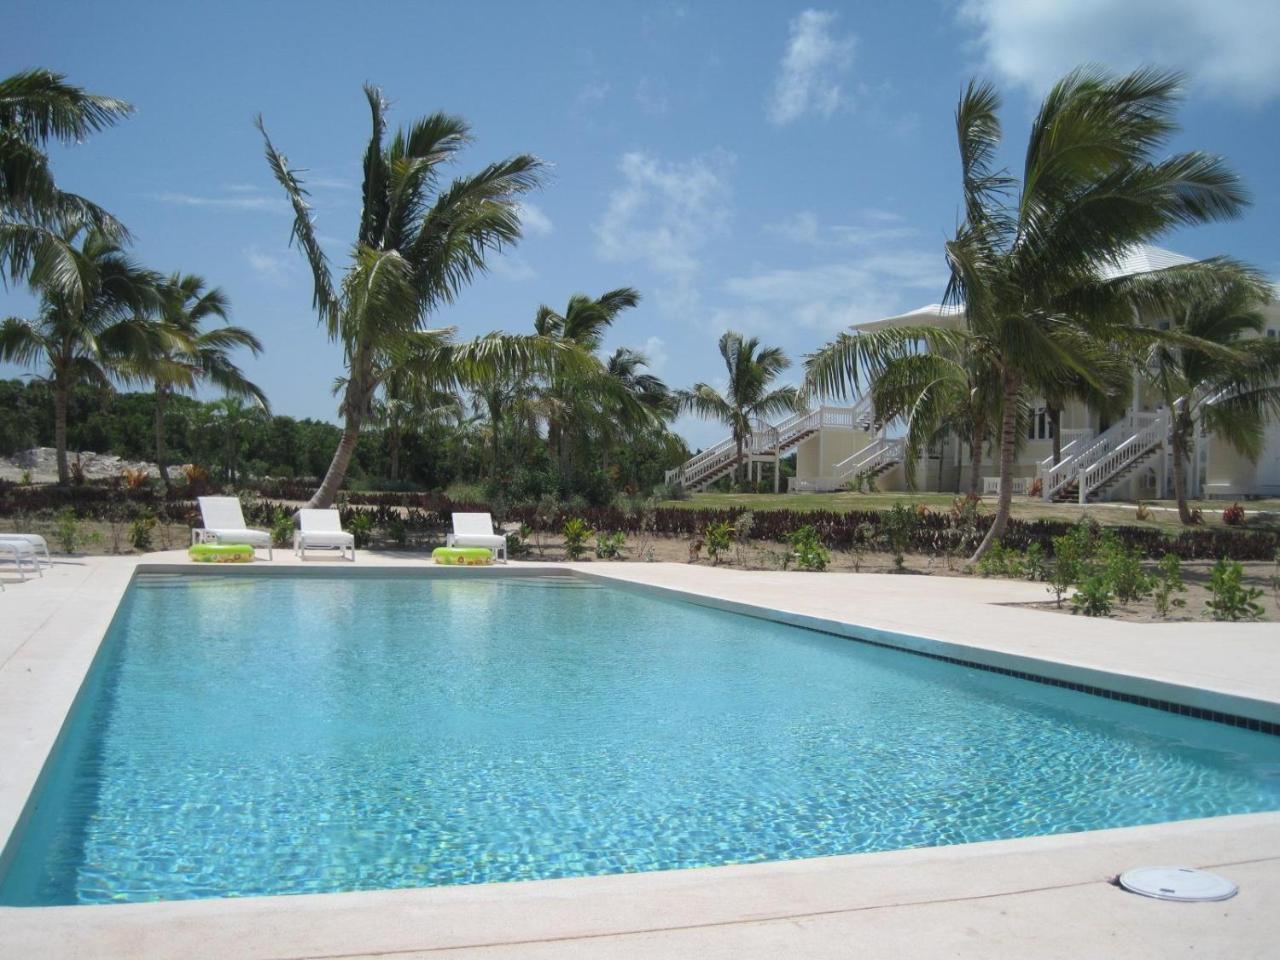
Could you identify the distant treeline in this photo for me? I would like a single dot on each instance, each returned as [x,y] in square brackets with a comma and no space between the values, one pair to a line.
[235,441]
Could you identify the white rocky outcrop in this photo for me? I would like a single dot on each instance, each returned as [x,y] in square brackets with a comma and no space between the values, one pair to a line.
[42,465]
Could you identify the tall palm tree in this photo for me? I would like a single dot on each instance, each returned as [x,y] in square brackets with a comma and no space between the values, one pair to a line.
[748,397]
[583,323]
[406,404]
[420,241]
[229,418]
[188,355]
[1028,263]
[37,218]
[86,336]
[1220,375]
[639,402]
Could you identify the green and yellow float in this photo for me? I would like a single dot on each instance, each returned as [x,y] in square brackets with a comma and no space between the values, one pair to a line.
[462,556]
[220,552]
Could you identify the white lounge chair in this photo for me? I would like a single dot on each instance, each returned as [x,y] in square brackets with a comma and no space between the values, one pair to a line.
[21,551]
[224,523]
[38,542]
[476,530]
[322,529]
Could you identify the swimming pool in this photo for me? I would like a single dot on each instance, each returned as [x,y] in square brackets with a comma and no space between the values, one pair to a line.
[245,736]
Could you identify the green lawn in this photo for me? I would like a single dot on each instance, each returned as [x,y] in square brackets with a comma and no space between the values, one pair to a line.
[1163,513]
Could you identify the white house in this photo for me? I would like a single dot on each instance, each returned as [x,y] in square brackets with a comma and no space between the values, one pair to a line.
[1127,458]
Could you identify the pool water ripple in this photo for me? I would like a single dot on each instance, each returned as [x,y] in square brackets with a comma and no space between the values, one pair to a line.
[297,735]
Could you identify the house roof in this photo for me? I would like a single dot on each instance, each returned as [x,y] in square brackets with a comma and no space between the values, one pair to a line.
[1142,258]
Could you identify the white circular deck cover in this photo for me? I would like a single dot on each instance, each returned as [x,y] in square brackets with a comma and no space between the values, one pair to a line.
[1178,883]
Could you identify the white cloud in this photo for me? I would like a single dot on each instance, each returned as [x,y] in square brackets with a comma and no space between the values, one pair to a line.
[652,98]
[809,76]
[655,351]
[272,266]
[831,296]
[877,228]
[534,221]
[1229,47]
[512,267]
[593,94]
[241,198]
[664,215]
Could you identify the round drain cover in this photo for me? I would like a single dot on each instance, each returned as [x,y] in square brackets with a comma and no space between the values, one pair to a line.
[1178,883]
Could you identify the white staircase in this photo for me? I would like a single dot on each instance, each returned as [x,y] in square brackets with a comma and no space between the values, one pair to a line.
[872,460]
[1089,465]
[765,441]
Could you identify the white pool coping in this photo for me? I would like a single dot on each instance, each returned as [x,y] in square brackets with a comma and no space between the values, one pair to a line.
[987,899]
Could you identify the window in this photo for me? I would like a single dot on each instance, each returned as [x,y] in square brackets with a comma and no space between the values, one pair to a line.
[1273,333]
[1040,427]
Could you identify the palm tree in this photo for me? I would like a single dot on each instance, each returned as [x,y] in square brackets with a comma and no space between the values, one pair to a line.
[637,404]
[583,324]
[1028,262]
[1219,373]
[747,398]
[228,418]
[420,242]
[189,355]
[89,336]
[37,218]
[406,404]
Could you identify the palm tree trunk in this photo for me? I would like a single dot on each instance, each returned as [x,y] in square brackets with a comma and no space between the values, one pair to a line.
[975,460]
[738,470]
[1008,439]
[1178,447]
[161,398]
[393,441]
[60,401]
[1055,424]
[337,472]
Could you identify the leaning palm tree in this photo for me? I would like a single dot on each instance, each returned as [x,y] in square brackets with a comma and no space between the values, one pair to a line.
[420,241]
[36,216]
[86,337]
[1029,261]
[748,397]
[1219,375]
[187,355]
[637,403]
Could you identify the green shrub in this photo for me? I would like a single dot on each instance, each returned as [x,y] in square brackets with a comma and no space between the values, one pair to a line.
[1035,565]
[575,532]
[609,545]
[1070,553]
[397,531]
[1093,597]
[518,541]
[719,538]
[1167,584]
[1229,598]
[999,562]
[360,526]
[66,530]
[807,549]
[282,529]
[140,532]
[1123,569]
[896,528]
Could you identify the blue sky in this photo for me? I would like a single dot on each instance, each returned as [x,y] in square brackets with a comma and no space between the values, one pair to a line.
[778,169]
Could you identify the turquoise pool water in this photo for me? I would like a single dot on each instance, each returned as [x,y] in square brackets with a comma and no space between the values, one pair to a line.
[245,736]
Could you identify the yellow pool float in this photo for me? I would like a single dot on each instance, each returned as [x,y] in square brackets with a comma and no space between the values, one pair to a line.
[220,552]
[462,556]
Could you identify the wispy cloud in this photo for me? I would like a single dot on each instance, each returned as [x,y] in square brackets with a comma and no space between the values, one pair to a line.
[237,198]
[808,78]
[534,220]
[652,98]
[1228,47]
[273,266]
[512,267]
[592,94]
[873,227]
[664,215]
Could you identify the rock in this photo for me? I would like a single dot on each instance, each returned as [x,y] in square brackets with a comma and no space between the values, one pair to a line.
[42,463]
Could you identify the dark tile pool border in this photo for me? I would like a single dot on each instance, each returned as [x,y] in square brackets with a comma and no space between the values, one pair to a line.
[852,632]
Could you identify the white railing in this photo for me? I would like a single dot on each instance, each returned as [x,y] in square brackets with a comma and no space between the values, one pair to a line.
[1067,471]
[1152,429]
[880,452]
[991,486]
[1054,476]
[765,439]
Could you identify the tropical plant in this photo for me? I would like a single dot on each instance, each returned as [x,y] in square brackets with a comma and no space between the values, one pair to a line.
[187,355]
[39,220]
[609,545]
[1167,584]
[420,241]
[1094,596]
[896,526]
[1071,553]
[1229,598]
[719,538]
[88,337]
[1215,371]
[1031,264]
[575,533]
[807,549]
[748,398]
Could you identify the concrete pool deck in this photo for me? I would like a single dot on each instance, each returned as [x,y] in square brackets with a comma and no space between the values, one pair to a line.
[1033,897]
